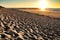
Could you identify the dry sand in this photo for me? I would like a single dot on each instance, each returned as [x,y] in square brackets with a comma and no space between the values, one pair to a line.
[21,25]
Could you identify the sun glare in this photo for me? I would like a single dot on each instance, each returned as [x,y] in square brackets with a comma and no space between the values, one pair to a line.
[43,5]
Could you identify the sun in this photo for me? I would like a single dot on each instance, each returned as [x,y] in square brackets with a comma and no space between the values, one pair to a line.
[43,5]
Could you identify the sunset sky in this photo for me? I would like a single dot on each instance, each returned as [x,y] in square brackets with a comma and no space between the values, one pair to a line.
[28,3]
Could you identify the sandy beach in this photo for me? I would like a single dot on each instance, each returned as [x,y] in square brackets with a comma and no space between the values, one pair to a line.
[16,24]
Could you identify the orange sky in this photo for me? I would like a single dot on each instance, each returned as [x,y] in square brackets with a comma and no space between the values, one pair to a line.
[28,4]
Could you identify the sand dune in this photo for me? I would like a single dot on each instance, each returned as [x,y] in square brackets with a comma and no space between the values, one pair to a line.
[21,25]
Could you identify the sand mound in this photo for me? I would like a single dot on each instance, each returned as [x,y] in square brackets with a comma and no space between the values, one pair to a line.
[1,7]
[20,25]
